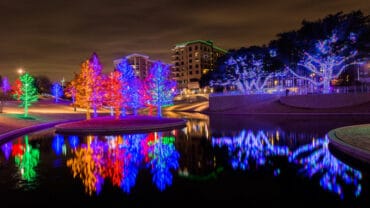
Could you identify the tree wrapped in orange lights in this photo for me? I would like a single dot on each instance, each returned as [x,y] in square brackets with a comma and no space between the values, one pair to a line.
[17,89]
[71,91]
[113,95]
[89,89]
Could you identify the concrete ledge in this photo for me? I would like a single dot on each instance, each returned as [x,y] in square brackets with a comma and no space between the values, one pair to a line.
[358,151]
[129,124]
[22,131]
[226,102]
[325,100]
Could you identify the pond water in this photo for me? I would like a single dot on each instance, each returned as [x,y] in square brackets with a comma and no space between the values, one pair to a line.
[257,161]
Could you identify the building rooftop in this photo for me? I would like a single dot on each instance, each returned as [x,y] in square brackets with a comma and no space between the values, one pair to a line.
[208,42]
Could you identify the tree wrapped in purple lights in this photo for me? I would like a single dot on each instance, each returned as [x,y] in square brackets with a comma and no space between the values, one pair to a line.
[5,85]
[97,90]
[329,59]
[317,160]
[57,91]
[162,89]
[247,147]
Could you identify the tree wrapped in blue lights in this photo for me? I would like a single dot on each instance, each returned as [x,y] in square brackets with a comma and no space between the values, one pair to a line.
[127,80]
[29,93]
[326,61]
[162,89]
[317,160]
[247,147]
[164,157]
[57,91]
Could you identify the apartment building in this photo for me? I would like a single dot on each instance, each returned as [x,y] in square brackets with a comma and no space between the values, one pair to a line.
[192,59]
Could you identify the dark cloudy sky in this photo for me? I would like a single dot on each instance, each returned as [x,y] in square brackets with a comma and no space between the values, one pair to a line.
[53,37]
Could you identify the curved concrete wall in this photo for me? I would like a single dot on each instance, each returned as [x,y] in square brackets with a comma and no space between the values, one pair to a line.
[226,102]
[325,100]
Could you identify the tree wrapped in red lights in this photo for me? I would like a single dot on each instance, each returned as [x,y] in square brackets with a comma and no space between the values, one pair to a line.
[29,93]
[113,95]
[162,89]
[17,89]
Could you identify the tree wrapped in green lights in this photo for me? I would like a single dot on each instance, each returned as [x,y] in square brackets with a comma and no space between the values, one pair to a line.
[29,93]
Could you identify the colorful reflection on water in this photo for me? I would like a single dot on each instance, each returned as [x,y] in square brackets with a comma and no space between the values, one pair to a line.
[119,158]
[317,160]
[192,154]
[26,157]
[247,147]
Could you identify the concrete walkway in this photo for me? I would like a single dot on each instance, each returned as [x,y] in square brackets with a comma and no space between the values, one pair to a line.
[352,140]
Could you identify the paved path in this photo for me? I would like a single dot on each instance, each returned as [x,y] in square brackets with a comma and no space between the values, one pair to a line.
[352,140]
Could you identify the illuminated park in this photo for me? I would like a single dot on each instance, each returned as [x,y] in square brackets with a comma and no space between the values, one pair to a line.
[233,104]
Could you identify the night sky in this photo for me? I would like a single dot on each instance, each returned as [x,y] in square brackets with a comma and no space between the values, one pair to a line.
[53,37]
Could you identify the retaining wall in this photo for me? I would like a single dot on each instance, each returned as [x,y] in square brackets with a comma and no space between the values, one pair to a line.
[226,102]
[325,100]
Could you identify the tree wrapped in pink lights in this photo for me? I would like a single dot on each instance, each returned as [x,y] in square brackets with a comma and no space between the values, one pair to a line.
[327,62]
[162,89]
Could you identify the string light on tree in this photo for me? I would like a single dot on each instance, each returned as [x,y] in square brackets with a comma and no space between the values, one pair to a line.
[57,91]
[29,93]
[327,62]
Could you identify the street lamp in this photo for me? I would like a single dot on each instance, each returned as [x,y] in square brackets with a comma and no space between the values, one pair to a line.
[20,71]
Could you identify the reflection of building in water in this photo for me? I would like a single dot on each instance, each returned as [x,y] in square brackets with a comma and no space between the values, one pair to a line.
[197,128]
[197,124]
[196,154]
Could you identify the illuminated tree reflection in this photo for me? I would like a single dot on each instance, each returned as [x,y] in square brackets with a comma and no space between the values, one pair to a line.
[164,157]
[27,160]
[247,147]
[317,160]
[119,159]
[88,165]
[58,144]
[7,149]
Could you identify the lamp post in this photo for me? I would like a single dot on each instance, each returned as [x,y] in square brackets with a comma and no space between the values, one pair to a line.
[20,71]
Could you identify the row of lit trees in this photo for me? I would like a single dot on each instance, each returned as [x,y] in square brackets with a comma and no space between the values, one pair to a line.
[122,90]
[318,52]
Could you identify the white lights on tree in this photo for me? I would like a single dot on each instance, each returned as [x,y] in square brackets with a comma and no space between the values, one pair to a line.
[327,63]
